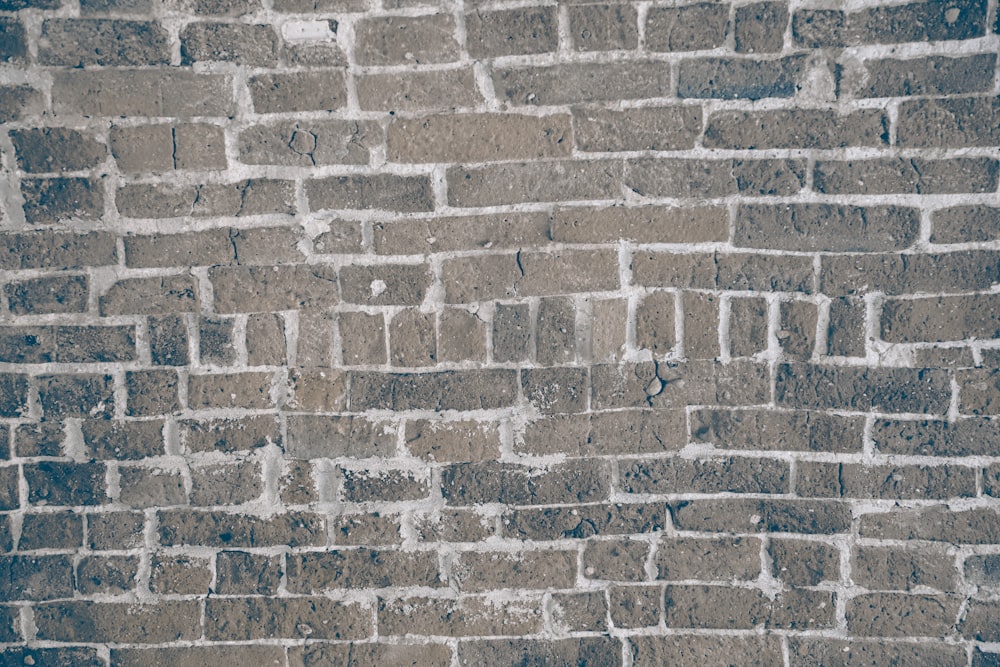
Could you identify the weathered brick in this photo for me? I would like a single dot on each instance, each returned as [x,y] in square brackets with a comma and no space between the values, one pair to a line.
[391,192]
[306,143]
[853,388]
[768,430]
[964,437]
[674,384]
[813,652]
[265,339]
[362,338]
[435,90]
[35,577]
[980,391]
[225,530]
[250,289]
[646,224]
[16,102]
[397,40]
[583,521]
[243,573]
[580,612]
[463,617]
[51,530]
[960,224]
[797,333]
[56,149]
[226,483]
[748,324]
[577,651]
[813,517]
[909,176]
[604,27]
[154,296]
[79,42]
[114,530]
[319,654]
[513,484]
[804,563]
[936,319]
[443,390]
[517,183]
[688,28]
[893,568]
[14,42]
[55,294]
[63,483]
[935,523]
[229,390]
[509,32]
[168,340]
[826,227]
[13,394]
[655,322]
[52,200]
[478,138]
[461,336]
[635,607]
[714,178]
[932,75]
[676,475]
[57,657]
[298,91]
[624,432]
[701,325]
[555,390]
[979,621]
[889,24]
[179,575]
[142,93]
[42,439]
[615,560]
[701,650]
[729,271]
[79,395]
[475,571]
[760,27]
[439,440]
[369,530]
[243,198]
[195,656]
[733,78]
[717,607]
[215,341]
[320,436]
[163,148]
[107,439]
[902,615]
[361,568]
[239,43]
[845,333]
[796,128]
[953,123]
[385,284]
[260,618]
[571,83]
[721,559]
[901,274]
[150,487]
[125,622]
[983,569]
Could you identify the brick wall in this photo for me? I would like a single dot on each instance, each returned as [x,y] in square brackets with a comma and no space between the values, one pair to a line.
[494,333]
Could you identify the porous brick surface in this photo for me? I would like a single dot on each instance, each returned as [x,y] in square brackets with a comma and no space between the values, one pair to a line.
[500,332]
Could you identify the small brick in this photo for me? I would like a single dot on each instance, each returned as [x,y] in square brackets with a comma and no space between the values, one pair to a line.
[435,90]
[35,578]
[647,128]
[580,522]
[675,475]
[14,43]
[494,482]
[608,318]
[243,198]
[556,390]
[910,176]
[605,651]
[935,123]
[798,128]
[760,27]
[114,530]
[961,224]
[509,32]
[229,435]
[412,339]
[688,28]
[486,389]
[192,656]
[478,138]
[839,653]
[16,102]
[252,289]
[168,340]
[461,336]
[385,284]
[893,568]
[846,327]
[51,530]
[298,91]
[56,149]
[741,78]
[321,436]
[979,621]
[701,325]
[571,83]
[555,331]
[357,655]
[390,192]
[717,607]
[467,616]
[75,621]
[43,439]
[150,487]
[980,391]
[736,271]
[362,338]
[938,319]
[79,42]
[151,93]
[700,650]
[453,440]
[55,294]
[604,27]
[720,559]
[777,431]
[512,336]
[317,390]
[229,390]
[748,325]
[932,75]
[361,568]
[934,523]
[179,575]
[902,274]
[225,530]
[106,439]
[239,43]
[369,530]
[265,340]
[305,143]
[580,612]
[55,200]
[226,483]
[79,395]
[797,333]
[901,615]
[59,657]
[851,388]
[983,569]
[243,573]
[398,40]
[152,392]
[635,606]
[215,341]
[153,296]
[615,560]
[296,485]
[804,563]
[483,570]
[811,517]
[361,486]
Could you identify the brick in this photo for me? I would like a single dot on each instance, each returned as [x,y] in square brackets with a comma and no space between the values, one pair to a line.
[892,568]
[810,227]
[555,331]
[635,606]
[748,324]
[57,657]
[811,517]
[812,652]
[509,32]
[385,284]
[233,531]
[478,138]
[94,344]
[714,178]
[62,483]
[704,650]
[51,530]
[106,439]
[979,621]
[760,27]
[552,523]
[243,573]
[36,577]
[798,128]
[296,485]
[620,432]
[361,568]
[797,333]
[168,340]
[215,341]
[76,621]
[103,7]
[250,289]
[439,440]
[443,390]
[179,575]
[604,27]
[315,343]
[980,391]
[16,102]
[218,246]
[368,530]
[483,570]
[55,294]
[298,91]
[965,437]
[571,83]
[932,75]
[777,431]
[911,176]
[675,475]
[468,280]
[721,559]
[463,617]
[517,183]
[13,395]
[701,325]
[804,563]
[229,390]
[317,390]
[901,615]
[361,486]
[513,484]
[556,390]
[412,339]
[934,123]
[435,90]
[960,224]
[391,192]
[150,487]
[56,250]
[443,234]
[646,224]
[153,296]
[852,388]
[114,530]
[580,612]
[362,338]
[43,439]
[320,436]
[461,336]
[689,28]
[677,384]
[74,395]
[615,560]
[239,43]
[9,493]
[577,651]
[398,40]
[355,655]
[259,618]
[265,340]
[79,42]
[912,22]
[305,143]
[151,93]
[731,78]
[308,6]
[716,607]
[53,200]
[512,336]
[14,43]
[195,656]
[937,319]
[736,271]
[243,198]
[902,274]
[226,483]
[56,149]
[655,322]
[982,659]
[934,523]
[983,570]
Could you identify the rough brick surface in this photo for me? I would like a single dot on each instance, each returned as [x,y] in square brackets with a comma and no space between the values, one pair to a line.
[412,332]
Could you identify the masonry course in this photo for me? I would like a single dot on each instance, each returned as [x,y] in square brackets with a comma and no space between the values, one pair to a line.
[438,333]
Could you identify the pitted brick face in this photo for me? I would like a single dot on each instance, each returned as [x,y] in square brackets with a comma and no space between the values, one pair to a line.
[476,332]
